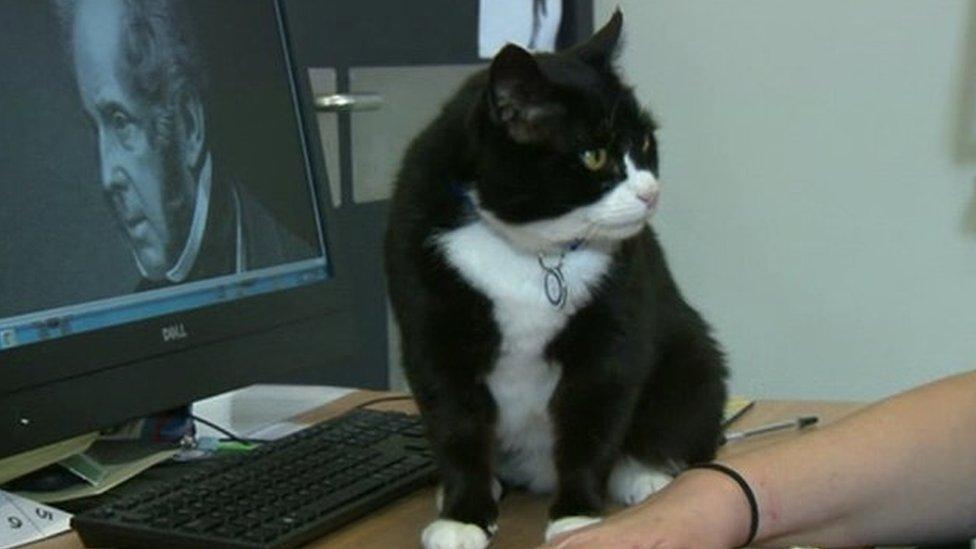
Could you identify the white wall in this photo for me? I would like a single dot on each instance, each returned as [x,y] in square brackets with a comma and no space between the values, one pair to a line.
[818,165]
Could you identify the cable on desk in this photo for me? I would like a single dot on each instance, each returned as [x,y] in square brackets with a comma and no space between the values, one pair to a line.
[242,440]
[382,399]
[222,430]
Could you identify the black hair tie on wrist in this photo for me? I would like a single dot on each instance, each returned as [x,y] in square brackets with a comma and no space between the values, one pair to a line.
[746,489]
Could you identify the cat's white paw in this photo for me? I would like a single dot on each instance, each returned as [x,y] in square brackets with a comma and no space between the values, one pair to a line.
[451,534]
[568,524]
[496,492]
[631,482]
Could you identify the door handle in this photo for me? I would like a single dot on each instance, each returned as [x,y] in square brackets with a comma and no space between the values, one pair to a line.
[347,102]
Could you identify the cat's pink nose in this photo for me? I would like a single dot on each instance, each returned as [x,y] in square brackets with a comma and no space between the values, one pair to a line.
[648,197]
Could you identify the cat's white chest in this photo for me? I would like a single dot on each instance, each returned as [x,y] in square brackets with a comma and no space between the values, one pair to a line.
[522,380]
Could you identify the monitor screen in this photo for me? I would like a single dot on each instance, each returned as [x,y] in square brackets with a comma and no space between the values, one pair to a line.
[165,233]
[151,163]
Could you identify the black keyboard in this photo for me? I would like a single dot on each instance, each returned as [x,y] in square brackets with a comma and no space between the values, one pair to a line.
[283,494]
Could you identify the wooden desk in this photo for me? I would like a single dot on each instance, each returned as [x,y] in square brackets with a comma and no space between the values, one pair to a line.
[523,516]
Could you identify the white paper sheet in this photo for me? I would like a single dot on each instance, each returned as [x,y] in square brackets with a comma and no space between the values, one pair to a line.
[24,521]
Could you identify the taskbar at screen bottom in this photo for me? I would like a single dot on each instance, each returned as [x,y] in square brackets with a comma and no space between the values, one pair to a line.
[57,323]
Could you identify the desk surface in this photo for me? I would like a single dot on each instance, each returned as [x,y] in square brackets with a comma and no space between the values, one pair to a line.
[523,516]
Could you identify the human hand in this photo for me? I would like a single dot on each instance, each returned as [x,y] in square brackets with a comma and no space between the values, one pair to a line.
[700,510]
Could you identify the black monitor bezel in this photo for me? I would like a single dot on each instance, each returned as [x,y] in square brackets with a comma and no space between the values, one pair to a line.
[62,387]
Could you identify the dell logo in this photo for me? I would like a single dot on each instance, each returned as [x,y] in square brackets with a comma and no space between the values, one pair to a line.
[174,332]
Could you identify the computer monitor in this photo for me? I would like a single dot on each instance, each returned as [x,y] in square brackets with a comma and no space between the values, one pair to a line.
[165,234]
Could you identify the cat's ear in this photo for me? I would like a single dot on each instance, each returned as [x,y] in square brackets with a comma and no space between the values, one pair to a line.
[519,96]
[601,48]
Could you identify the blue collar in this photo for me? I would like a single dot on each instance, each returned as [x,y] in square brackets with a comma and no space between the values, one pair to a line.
[574,244]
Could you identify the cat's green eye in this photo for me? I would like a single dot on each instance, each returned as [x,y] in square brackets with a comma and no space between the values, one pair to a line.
[646,147]
[594,159]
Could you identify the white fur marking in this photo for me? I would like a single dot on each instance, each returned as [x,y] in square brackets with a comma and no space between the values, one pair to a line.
[499,259]
[641,182]
[522,381]
[451,534]
[631,482]
[568,524]
[619,214]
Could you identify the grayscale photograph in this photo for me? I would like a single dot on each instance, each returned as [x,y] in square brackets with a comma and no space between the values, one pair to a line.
[146,144]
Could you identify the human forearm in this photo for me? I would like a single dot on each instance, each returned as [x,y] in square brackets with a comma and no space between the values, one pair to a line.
[865,479]
[903,469]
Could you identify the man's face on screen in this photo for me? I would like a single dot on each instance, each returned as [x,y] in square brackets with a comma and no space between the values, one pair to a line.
[151,196]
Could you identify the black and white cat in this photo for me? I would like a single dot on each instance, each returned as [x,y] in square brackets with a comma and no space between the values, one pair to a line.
[543,336]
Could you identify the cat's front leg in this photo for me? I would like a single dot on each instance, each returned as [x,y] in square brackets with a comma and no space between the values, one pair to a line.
[460,429]
[590,413]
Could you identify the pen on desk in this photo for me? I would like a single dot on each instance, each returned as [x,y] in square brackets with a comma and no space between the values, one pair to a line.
[799,422]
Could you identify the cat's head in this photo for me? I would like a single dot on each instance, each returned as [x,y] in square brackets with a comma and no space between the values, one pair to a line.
[565,151]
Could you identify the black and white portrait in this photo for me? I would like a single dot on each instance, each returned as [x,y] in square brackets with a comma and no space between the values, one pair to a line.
[167,130]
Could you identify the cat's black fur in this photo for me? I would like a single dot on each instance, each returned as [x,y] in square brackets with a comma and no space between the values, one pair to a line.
[641,374]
